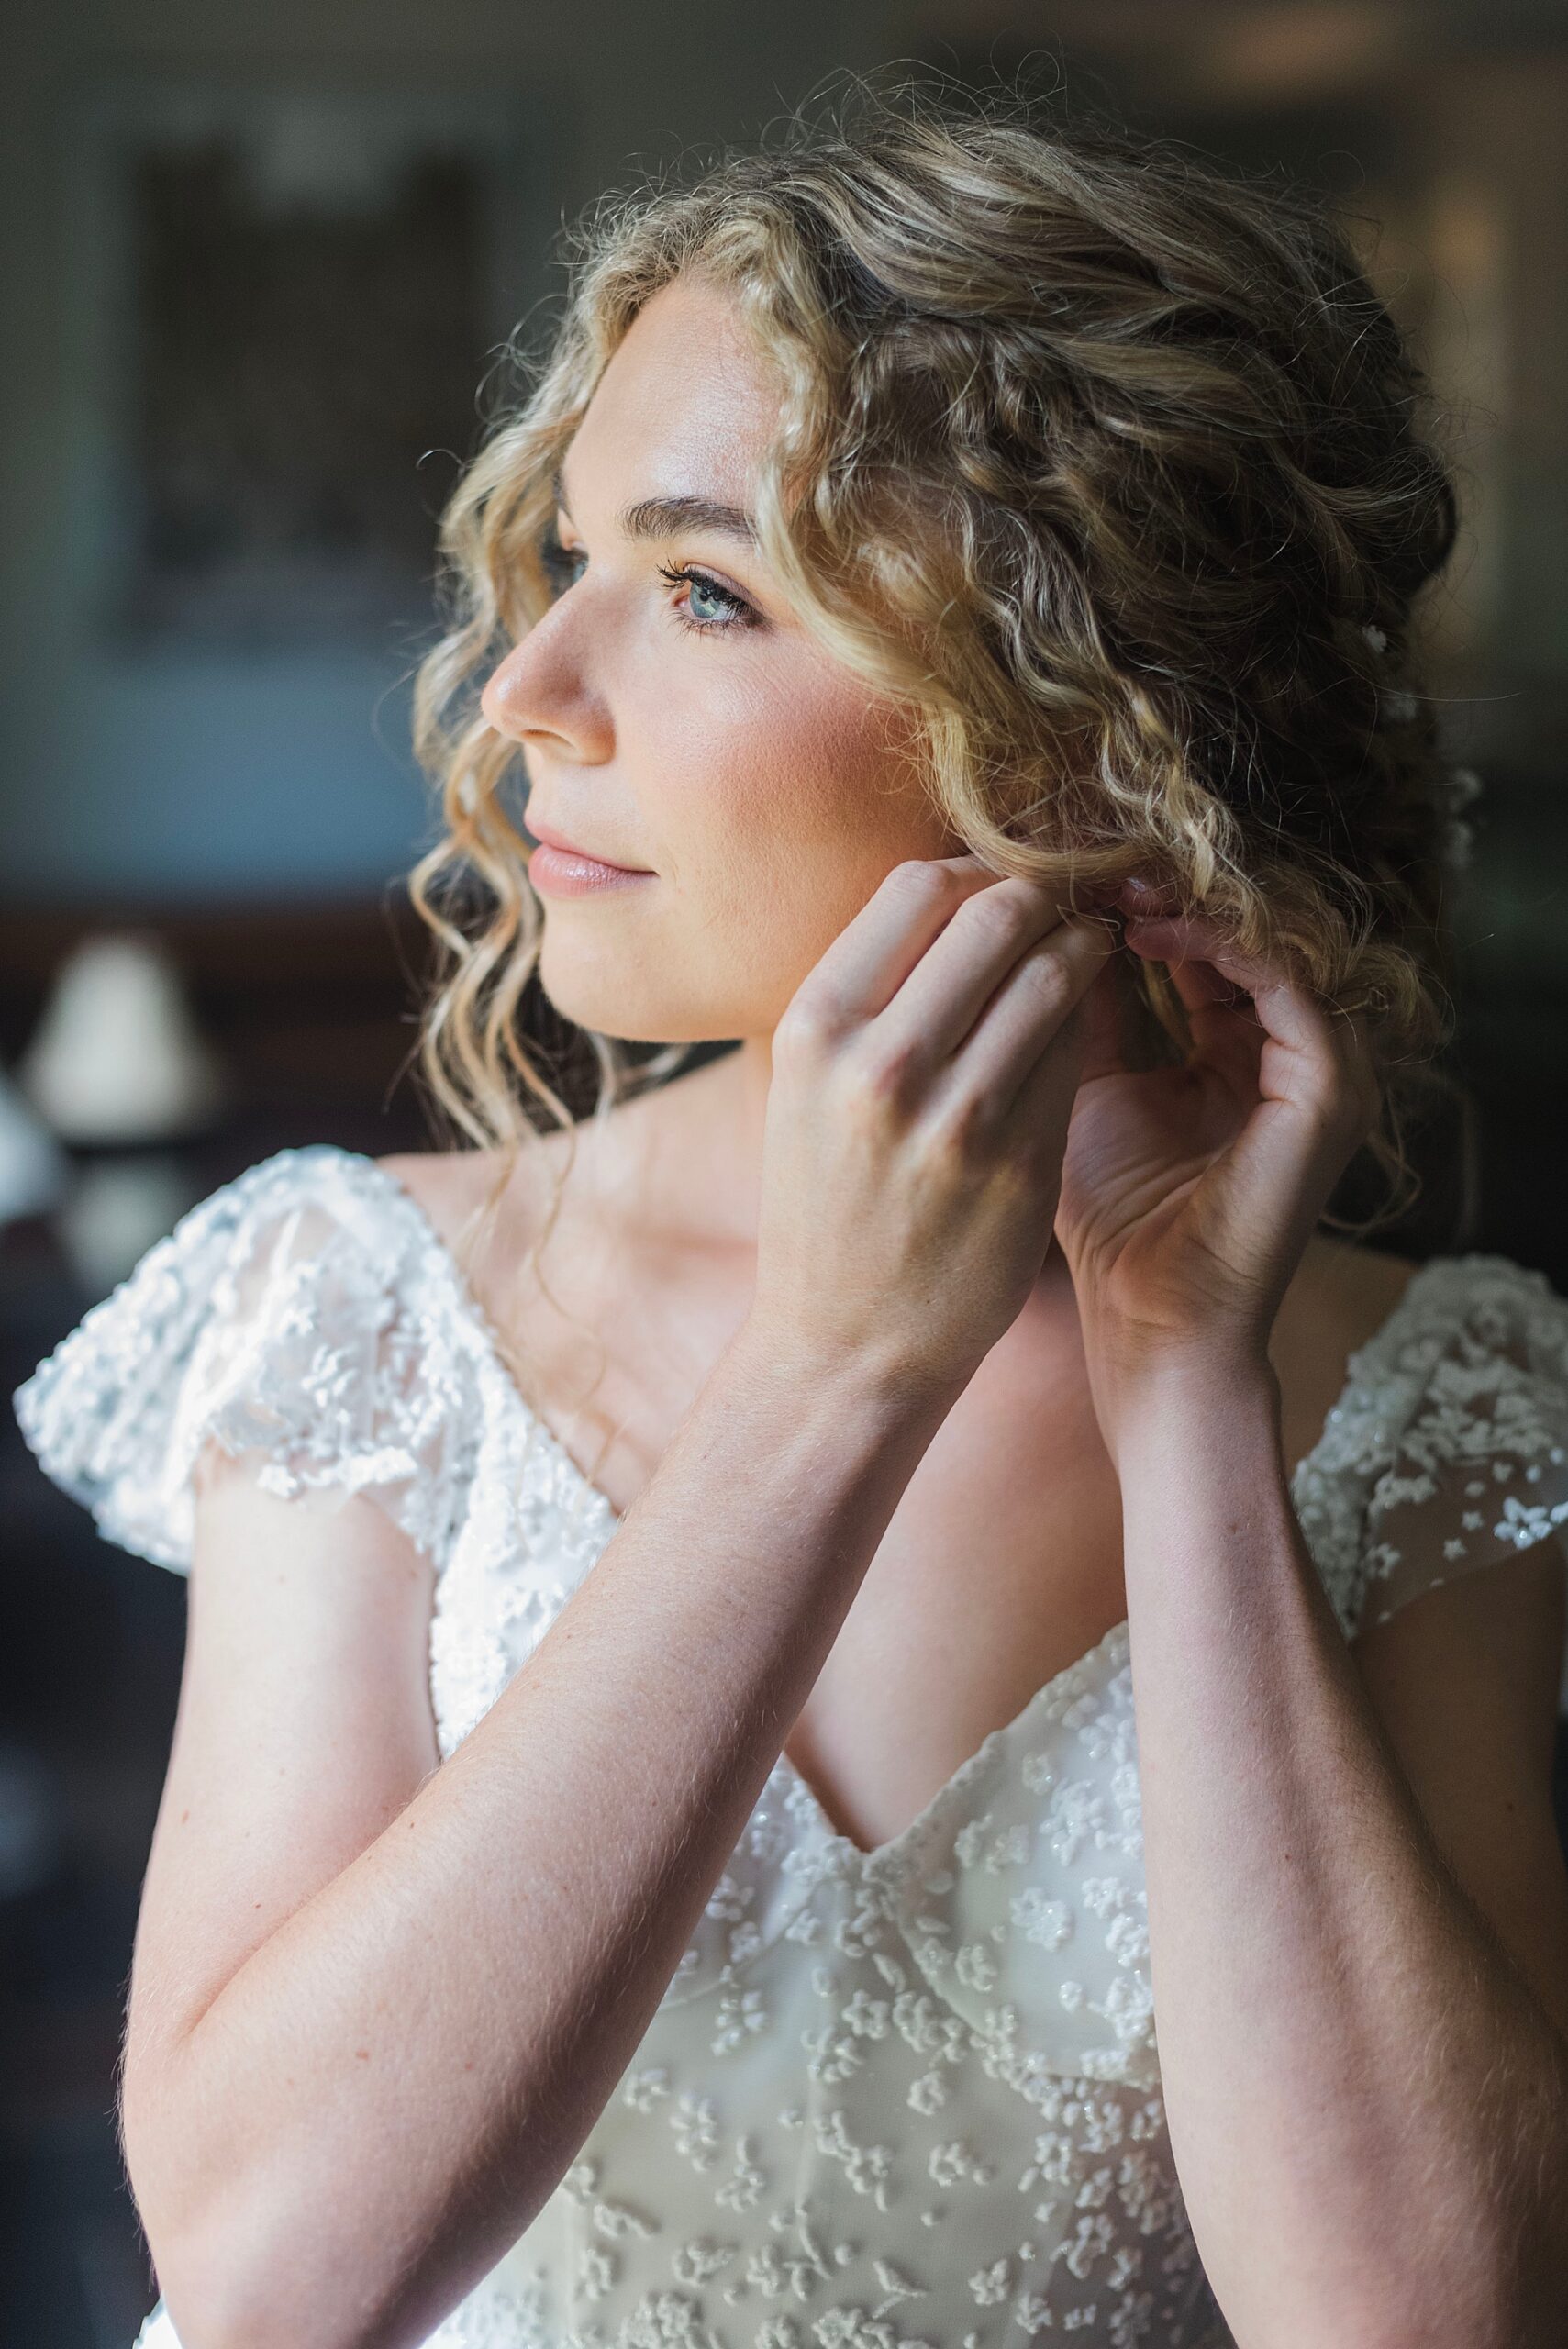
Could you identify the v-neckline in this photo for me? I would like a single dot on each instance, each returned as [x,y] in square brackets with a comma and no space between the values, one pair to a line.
[1109,1647]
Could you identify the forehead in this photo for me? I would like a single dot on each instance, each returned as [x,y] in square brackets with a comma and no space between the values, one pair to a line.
[687,404]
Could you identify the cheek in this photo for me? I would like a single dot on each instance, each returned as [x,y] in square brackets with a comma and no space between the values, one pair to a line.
[797,798]
[774,801]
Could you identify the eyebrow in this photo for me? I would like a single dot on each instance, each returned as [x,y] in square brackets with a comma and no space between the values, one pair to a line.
[666,517]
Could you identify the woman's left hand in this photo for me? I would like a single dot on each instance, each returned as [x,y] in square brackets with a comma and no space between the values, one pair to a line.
[1188,1194]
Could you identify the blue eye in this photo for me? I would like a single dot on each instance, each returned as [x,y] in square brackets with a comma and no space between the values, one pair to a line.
[711,609]
[703,591]
[703,621]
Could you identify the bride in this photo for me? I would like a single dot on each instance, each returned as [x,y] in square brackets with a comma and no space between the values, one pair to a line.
[853,1702]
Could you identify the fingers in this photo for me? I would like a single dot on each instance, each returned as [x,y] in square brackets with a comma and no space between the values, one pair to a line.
[1190,945]
[1011,1083]
[946,987]
[979,951]
[873,955]
[1025,1016]
[1227,1034]
[1104,1042]
[1247,1014]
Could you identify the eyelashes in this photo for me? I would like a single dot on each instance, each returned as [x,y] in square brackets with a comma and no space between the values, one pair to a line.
[561,568]
[682,574]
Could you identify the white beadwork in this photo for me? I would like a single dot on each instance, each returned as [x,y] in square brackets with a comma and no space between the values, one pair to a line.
[890,2099]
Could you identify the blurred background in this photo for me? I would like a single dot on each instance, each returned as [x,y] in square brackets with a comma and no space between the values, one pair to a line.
[256,266]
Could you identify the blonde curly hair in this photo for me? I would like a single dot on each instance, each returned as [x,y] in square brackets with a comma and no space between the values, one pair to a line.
[1103,455]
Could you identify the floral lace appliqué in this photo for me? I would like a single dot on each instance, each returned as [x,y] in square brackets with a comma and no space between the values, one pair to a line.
[903,2099]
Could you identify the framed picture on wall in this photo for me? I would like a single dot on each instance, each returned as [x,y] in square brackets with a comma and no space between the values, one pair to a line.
[288,295]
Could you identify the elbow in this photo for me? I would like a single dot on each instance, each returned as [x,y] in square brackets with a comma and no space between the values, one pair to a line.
[231,2260]
[1399,2311]
[196,2265]
[253,2270]
[1475,2313]
[232,2275]
[216,2297]
[216,2300]
[196,2282]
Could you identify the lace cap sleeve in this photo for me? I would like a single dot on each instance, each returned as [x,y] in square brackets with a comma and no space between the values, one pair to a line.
[1469,1406]
[297,1313]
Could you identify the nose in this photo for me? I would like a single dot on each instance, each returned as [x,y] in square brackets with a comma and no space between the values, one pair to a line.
[539,694]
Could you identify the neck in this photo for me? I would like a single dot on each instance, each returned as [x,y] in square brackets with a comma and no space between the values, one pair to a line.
[710,1181]
[751,1070]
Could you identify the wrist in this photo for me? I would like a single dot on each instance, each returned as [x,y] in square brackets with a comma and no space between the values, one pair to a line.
[1181,1395]
[782,1421]
[863,1383]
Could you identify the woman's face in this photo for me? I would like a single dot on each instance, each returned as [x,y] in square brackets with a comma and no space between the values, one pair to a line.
[691,726]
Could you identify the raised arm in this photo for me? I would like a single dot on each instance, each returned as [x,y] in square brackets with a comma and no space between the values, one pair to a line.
[1361,2046]
[333,2145]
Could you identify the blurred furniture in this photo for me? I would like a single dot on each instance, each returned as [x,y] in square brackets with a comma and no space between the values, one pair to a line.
[311,1009]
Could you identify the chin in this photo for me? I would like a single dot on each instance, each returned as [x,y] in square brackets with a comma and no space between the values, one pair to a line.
[639,998]
[627,1012]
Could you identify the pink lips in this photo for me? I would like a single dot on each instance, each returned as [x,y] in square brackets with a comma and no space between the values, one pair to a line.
[560,870]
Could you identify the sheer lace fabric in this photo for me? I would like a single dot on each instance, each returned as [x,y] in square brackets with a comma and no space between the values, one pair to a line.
[889,2100]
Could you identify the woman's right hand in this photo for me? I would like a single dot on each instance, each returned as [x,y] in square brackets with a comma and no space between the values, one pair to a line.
[923,1076]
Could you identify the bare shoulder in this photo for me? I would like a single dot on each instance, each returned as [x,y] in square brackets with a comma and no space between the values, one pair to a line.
[457,1189]
[571,1194]
[450,1186]
[644,1163]
[1349,1290]
[1342,1297]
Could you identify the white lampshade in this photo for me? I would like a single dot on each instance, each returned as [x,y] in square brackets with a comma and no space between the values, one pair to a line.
[117,1057]
[114,1210]
[33,1167]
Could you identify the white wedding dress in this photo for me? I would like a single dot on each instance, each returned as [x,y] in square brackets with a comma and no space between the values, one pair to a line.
[889,2100]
